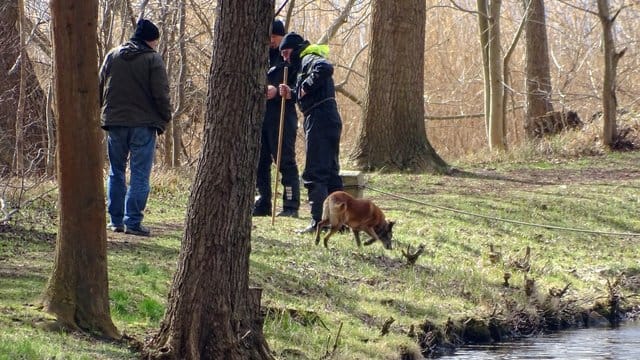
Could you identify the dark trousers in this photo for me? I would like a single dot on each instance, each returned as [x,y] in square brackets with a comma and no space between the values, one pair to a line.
[321,176]
[288,167]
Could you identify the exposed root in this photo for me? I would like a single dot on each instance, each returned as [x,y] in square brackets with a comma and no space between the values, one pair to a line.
[386,326]
[412,257]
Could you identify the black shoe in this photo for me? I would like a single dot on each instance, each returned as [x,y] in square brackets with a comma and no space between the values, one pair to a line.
[115,228]
[288,213]
[138,231]
[261,212]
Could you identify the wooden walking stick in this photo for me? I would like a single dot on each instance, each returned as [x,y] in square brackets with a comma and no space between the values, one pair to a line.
[278,154]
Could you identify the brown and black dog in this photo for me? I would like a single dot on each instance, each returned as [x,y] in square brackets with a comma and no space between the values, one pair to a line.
[341,209]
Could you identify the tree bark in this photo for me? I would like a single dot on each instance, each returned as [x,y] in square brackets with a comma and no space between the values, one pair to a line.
[538,74]
[212,313]
[611,58]
[78,291]
[496,114]
[19,157]
[483,29]
[392,131]
[182,76]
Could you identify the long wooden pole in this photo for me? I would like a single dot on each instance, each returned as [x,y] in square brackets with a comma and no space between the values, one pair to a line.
[278,154]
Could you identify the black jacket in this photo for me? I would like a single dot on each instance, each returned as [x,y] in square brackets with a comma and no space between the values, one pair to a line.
[134,89]
[275,76]
[316,78]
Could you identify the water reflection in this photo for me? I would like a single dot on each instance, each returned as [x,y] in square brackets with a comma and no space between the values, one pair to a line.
[585,344]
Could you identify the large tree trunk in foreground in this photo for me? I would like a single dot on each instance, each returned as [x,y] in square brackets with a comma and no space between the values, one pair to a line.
[78,290]
[33,129]
[212,313]
[392,132]
[538,75]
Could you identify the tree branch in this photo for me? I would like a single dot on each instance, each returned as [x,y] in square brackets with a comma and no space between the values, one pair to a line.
[337,23]
[578,7]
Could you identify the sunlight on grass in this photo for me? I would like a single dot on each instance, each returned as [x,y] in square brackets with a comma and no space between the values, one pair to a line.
[151,309]
[335,301]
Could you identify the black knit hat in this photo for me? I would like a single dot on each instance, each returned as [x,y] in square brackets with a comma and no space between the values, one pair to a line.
[146,30]
[277,28]
[291,41]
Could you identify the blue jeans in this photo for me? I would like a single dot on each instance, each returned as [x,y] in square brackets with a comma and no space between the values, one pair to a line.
[137,145]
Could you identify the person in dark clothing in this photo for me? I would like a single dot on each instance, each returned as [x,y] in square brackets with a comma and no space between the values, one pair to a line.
[135,108]
[270,132]
[314,92]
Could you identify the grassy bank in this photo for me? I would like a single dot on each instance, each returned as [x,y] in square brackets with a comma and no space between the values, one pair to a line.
[369,303]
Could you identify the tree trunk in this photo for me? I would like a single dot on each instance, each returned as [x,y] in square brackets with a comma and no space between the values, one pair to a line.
[182,76]
[392,131]
[538,75]
[611,58]
[19,158]
[483,28]
[51,135]
[167,24]
[506,75]
[33,106]
[78,291]
[212,313]
[106,28]
[496,114]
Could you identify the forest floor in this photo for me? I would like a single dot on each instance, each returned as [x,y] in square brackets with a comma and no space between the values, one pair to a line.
[508,250]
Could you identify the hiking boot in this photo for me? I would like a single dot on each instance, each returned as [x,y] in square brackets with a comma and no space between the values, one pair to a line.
[138,231]
[288,213]
[115,228]
[261,212]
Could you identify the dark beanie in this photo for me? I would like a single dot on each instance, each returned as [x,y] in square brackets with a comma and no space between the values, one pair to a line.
[291,41]
[146,30]
[277,28]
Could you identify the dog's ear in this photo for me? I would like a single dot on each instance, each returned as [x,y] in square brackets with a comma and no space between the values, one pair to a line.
[390,226]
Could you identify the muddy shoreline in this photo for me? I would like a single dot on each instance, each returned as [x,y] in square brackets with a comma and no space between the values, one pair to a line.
[512,321]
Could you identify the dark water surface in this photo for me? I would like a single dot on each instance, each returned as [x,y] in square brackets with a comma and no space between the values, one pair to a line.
[602,343]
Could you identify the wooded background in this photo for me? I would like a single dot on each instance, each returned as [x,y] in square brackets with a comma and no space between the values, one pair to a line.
[453,79]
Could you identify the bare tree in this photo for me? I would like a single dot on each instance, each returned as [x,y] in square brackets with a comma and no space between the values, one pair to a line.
[497,136]
[78,291]
[182,76]
[392,132]
[493,70]
[19,157]
[22,101]
[611,58]
[483,26]
[212,313]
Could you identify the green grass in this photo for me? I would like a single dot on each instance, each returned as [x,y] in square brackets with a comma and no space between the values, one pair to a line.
[318,298]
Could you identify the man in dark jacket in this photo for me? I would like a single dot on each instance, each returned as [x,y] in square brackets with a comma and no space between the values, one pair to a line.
[314,92]
[270,134]
[135,108]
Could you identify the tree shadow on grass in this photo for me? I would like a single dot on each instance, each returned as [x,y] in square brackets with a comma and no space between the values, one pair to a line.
[17,233]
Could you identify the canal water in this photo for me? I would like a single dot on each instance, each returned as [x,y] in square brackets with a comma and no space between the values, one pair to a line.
[622,343]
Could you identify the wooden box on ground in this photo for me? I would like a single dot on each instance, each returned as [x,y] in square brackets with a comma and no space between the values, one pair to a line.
[353,182]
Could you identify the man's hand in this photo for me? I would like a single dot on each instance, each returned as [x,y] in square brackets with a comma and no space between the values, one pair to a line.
[285,91]
[271,92]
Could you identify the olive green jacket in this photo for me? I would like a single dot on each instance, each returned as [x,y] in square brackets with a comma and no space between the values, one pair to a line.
[134,90]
